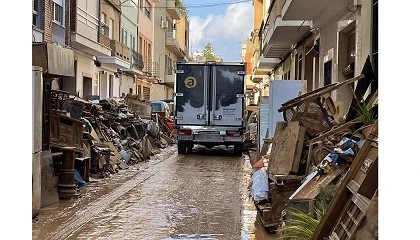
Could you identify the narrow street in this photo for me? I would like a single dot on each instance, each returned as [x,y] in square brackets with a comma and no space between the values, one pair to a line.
[202,195]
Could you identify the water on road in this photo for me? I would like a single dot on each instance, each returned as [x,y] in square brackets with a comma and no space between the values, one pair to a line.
[202,195]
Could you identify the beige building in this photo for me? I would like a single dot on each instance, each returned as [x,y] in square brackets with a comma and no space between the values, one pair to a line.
[261,66]
[321,43]
[145,43]
[170,45]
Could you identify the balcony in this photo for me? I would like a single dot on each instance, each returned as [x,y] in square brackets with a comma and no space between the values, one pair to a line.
[120,55]
[84,36]
[279,35]
[321,12]
[151,69]
[265,65]
[136,65]
[173,9]
[169,77]
[105,40]
[136,60]
[172,44]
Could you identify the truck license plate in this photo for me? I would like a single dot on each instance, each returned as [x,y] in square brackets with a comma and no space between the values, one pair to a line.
[184,138]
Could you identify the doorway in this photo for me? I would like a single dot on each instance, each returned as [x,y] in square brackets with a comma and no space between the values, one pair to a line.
[87,87]
[103,84]
[111,85]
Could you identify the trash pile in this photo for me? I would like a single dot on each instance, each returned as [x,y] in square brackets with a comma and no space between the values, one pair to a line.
[312,148]
[118,137]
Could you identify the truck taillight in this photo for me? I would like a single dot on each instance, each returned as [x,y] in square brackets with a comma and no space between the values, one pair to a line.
[185,132]
[233,133]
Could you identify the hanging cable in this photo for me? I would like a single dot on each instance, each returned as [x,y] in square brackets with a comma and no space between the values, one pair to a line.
[198,5]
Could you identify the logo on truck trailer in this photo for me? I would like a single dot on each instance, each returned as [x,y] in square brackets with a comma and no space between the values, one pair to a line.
[190,82]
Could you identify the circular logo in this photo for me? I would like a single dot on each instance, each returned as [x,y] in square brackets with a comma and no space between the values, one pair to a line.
[190,82]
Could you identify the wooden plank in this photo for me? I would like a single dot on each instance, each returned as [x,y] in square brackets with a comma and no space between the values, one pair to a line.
[317,93]
[299,148]
[342,195]
[116,158]
[333,131]
[277,178]
[287,143]
[311,190]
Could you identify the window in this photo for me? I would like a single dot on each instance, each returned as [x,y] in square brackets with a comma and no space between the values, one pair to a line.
[327,73]
[58,14]
[104,26]
[147,9]
[124,36]
[132,42]
[35,13]
[299,75]
[140,44]
[146,93]
[149,51]
[111,28]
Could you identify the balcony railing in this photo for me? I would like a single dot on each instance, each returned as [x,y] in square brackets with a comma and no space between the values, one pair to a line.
[169,71]
[58,34]
[151,68]
[104,40]
[136,60]
[173,9]
[120,51]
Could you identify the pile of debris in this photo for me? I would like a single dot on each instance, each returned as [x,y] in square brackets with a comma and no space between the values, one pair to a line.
[117,136]
[106,135]
[311,149]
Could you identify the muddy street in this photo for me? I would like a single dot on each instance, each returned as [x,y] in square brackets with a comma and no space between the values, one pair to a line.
[202,195]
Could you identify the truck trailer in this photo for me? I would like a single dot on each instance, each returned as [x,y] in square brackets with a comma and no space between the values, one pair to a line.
[209,105]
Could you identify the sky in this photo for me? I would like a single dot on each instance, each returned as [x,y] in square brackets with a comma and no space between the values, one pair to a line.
[225,25]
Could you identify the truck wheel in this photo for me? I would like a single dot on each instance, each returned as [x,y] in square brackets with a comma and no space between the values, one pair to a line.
[190,147]
[237,148]
[182,148]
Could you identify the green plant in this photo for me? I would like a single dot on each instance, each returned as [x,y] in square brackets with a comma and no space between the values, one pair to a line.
[366,112]
[300,226]
[182,7]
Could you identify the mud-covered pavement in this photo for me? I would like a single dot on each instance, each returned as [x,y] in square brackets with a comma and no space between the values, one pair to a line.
[202,195]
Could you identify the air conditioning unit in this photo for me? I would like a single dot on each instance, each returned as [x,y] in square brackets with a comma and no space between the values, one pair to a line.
[163,24]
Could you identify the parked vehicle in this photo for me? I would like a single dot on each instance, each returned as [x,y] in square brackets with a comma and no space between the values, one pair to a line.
[209,105]
[160,106]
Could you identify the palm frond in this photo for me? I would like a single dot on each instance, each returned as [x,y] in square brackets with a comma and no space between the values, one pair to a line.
[300,226]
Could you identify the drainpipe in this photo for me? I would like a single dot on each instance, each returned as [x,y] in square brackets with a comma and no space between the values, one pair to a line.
[99,21]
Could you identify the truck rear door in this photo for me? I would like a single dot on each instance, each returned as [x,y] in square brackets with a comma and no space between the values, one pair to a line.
[191,94]
[227,95]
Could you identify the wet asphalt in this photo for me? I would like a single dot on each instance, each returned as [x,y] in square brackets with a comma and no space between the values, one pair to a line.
[201,195]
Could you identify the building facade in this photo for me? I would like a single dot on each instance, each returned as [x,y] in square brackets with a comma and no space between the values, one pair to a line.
[170,28]
[321,43]
[118,47]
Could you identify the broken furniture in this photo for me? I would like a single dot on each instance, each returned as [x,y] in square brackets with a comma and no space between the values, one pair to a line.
[66,185]
[347,209]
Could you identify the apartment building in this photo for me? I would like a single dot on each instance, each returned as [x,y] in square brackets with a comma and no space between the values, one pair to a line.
[261,66]
[109,72]
[246,57]
[145,43]
[170,28]
[129,37]
[321,43]
[51,52]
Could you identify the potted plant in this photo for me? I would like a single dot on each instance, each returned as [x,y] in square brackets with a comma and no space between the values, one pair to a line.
[368,117]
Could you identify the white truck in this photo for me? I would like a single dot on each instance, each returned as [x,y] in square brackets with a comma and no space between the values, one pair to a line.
[209,105]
